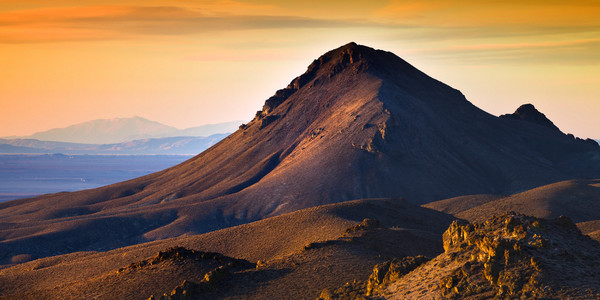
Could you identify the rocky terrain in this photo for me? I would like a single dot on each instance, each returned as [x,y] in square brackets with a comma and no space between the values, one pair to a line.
[511,256]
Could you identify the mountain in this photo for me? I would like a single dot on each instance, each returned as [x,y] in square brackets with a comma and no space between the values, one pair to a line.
[359,123]
[292,256]
[106,131]
[182,145]
[119,130]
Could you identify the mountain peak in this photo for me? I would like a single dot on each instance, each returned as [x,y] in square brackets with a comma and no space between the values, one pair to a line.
[350,61]
[328,65]
[528,112]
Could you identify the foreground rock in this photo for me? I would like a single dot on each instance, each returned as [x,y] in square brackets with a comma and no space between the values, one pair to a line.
[510,256]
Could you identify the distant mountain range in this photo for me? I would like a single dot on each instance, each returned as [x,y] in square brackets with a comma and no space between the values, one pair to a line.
[120,130]
[182,145]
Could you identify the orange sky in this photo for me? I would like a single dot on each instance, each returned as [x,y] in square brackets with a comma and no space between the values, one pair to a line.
[187,63]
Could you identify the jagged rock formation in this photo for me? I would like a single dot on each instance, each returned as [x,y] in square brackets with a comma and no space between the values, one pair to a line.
[387,272]
[360,123]
[191,290]
[383,274]
[220,266]
[510,256]
[366,224]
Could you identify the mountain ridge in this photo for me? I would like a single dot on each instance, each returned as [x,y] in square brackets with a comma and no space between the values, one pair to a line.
[178,145]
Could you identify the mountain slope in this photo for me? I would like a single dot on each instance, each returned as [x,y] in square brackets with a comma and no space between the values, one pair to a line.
[360,123]
[577,199]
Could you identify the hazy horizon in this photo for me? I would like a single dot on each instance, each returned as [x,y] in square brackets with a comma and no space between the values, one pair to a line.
[115,118]
[215,61]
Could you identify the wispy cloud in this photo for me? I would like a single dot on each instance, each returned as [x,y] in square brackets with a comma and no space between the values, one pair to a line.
[492,13]
[117,22]
[577,51]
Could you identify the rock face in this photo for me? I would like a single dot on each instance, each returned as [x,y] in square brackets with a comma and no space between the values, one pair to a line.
[389,271]
[510,256]
[360,123]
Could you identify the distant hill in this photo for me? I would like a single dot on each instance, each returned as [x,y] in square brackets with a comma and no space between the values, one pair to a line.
[180,145]
[577,199]
[119,130]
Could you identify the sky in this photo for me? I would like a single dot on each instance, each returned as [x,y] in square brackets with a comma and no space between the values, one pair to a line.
[188,63]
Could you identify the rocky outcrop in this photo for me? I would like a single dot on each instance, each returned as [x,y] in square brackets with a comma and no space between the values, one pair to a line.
[212,281]
[383,274]
[509,256]
[191,290]
[183,254]
[366,224]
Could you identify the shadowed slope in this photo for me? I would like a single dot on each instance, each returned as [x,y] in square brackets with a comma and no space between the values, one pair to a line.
[576,199]
[360,123]
[459,204]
